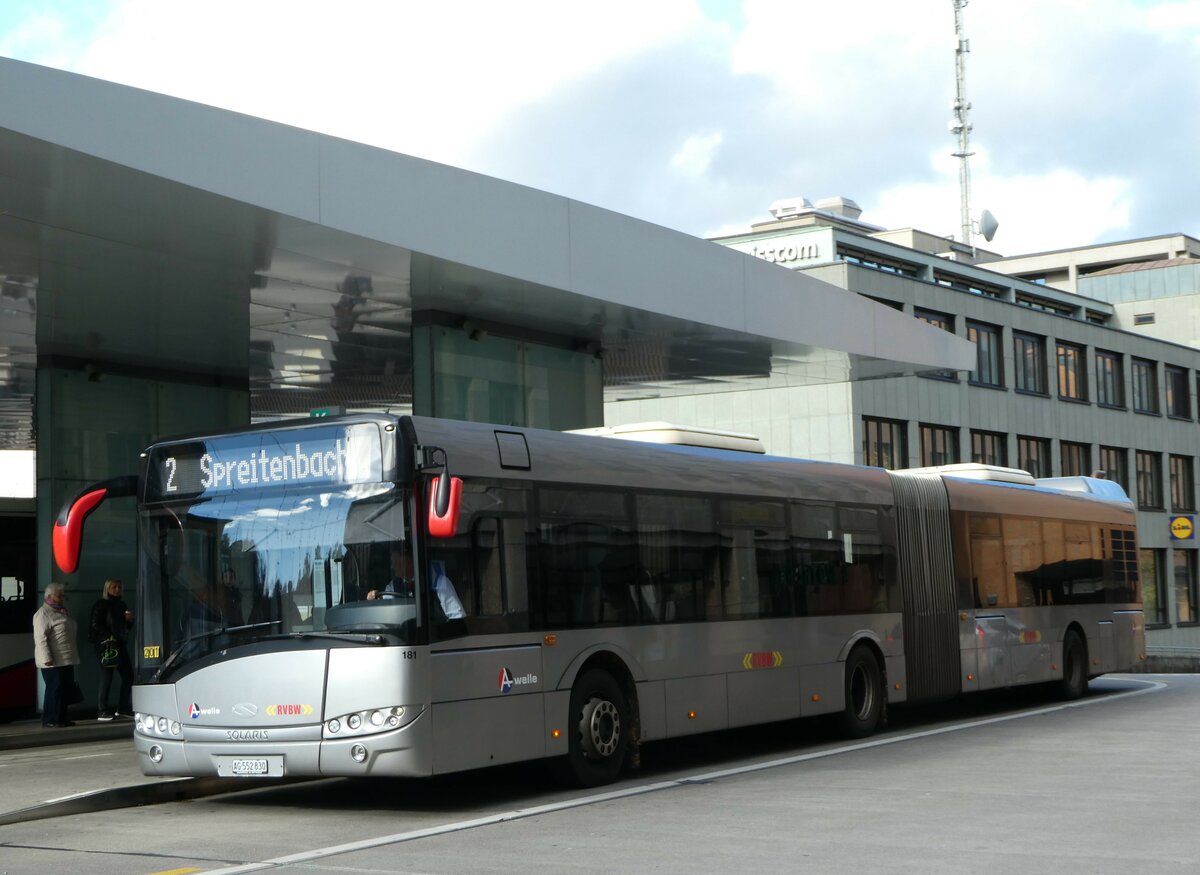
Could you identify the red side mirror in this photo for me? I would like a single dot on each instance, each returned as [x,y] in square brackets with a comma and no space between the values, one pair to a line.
[443,525]
[68,529]
[67,533]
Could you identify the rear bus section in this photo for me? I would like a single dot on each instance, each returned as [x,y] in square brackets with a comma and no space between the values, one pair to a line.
[1039,584]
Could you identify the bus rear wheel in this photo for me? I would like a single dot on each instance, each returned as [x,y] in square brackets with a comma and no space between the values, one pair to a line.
[865,698]
[1075,667]
[599,729]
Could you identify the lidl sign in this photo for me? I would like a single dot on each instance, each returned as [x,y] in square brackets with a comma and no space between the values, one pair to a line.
[1183,528]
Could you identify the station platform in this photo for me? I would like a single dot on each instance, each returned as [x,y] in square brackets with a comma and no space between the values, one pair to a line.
[20,734]
[42,776]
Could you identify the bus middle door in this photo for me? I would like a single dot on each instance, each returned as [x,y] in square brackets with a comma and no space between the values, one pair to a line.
[988,625]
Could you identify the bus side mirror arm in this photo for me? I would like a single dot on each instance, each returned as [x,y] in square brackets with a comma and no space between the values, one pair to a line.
[67,535]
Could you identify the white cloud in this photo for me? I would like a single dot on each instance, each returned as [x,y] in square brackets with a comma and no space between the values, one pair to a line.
[695,155]
[427,79]
[1036,212]
[693,114]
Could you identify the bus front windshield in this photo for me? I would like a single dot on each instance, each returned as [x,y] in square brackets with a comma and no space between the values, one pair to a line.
[242,568]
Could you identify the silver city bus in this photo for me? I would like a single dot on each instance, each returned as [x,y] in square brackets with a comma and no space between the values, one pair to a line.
[379,595]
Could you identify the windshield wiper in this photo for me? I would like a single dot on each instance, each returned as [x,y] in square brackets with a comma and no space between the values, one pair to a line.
[191,639]
[371,637]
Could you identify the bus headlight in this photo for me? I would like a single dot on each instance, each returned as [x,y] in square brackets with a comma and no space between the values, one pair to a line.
[152,724]
[363,722]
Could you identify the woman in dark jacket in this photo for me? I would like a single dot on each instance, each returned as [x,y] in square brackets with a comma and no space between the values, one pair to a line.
[108,629]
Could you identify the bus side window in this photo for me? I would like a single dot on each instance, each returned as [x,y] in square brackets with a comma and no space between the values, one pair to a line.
[677,558]
[487,596]
[586,558]
[754,559]
[816,559]
[987,563]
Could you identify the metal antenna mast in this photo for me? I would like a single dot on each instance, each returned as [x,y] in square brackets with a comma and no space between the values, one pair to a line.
[960,125]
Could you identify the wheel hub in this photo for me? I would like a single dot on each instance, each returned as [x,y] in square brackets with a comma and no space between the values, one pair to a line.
[600,728]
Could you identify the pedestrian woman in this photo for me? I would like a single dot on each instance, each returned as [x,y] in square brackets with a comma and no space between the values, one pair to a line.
[56,654]
[108,630]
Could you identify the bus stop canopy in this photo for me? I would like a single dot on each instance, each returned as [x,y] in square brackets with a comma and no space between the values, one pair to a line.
[141,233]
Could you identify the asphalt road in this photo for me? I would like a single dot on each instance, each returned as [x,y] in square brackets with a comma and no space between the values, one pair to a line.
[1005,783]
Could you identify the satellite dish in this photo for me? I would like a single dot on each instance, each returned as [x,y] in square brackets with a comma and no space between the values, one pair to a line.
[988,225]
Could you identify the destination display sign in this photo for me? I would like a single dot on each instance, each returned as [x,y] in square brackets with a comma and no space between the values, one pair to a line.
[330,455]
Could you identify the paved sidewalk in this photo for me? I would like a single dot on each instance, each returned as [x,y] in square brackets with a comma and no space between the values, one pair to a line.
[41,775]
[30,732]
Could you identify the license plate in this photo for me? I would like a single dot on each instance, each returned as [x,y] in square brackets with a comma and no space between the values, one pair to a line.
[249,766]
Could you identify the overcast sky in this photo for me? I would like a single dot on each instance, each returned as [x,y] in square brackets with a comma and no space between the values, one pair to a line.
[697,114]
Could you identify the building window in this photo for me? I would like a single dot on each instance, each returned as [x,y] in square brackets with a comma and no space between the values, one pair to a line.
[1179,401]
[1033,455]
[1076,459]
[1029,363]
[939,445]
[1150,570]
[1072,372]
[989,448]
[945,322]
[1145,386]
[874,261]
[1185,586]
[1149,480]
[1110,380]
[1113,463]
[883,443]
[1183,494]
[989,367]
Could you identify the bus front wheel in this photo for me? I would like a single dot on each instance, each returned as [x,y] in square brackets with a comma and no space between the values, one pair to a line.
[865,697]
[599,729]
[1075,667]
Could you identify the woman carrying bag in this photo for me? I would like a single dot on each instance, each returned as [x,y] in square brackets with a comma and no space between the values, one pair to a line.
[108,630]
[56,654]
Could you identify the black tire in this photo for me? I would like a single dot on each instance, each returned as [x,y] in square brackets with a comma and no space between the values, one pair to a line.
[865,697]
[599,728]
[1075,667]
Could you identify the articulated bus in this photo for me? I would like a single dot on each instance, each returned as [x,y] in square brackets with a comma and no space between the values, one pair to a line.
[380,595]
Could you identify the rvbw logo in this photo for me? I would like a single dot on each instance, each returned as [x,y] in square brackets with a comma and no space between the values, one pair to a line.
[507,681]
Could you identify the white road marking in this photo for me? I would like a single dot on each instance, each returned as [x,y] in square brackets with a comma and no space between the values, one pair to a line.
[640,790]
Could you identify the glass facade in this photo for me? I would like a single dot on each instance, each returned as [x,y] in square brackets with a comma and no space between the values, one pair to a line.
[483,377]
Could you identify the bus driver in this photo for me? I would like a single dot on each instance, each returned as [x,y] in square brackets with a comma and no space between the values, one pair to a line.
[402,584]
